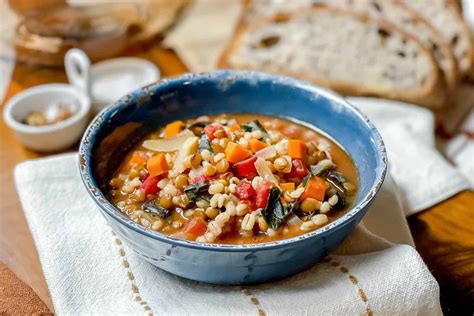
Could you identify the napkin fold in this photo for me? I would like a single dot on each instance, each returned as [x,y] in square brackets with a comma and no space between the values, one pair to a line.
[422,174]
[89,270]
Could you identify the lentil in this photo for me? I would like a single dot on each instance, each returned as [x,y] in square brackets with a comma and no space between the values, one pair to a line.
[211,212]
[210,170]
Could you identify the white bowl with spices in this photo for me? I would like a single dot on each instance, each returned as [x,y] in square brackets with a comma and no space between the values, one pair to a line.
[49,117]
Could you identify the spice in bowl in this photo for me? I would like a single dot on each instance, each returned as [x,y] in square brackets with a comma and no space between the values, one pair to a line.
[52,114]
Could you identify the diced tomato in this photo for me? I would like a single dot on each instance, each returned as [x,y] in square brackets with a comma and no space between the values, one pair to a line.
[150,185]
[298,169]
[251,204]
[261,198]
[197,227]
[211,129]
[245,168]
[245,191]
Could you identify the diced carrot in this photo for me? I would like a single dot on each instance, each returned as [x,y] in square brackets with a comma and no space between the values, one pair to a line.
[157,165]
[197,227]
[315,188]
[173,128]
[234,127]
[297,149]
[288,186]
[255,144]
[235,152]
[137,159]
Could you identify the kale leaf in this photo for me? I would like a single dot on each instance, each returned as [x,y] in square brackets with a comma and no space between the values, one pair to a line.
[153,208]
[253,126]
[198,191]
[336,179]
[276,212]
[205,143]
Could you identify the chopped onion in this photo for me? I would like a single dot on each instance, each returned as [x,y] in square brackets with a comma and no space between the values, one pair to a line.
[196,172]
[168,144]
[293,220]
[264,171]
[267,152]
[328,154]
[288,164]
[187,148]
[323,145]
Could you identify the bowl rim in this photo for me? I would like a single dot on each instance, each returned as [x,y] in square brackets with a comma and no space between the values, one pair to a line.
[84,108]
[85,166]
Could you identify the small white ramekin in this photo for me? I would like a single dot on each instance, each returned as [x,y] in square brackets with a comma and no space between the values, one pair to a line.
[52,137]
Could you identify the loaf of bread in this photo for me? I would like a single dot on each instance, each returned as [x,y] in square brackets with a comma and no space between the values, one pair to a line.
[393,11]
[445,16]
[348,52]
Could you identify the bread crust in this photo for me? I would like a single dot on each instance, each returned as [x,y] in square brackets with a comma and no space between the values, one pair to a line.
[449,68]
[453,6]
[432,95]
[467,31]
[452,76]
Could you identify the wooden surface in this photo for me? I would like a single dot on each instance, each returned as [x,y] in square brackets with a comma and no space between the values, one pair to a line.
[444,234]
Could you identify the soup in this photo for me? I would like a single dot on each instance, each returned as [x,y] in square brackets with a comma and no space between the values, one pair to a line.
[234,179]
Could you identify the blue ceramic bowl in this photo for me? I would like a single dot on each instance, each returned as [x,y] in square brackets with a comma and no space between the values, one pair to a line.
[118,127]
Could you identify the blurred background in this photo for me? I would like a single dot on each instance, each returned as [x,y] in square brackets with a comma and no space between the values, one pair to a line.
[419,52]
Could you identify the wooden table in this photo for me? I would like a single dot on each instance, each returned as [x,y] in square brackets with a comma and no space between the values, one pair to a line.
[444,234]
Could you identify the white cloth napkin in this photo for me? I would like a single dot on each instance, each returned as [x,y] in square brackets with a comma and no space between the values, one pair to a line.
[90,271]
[423,175]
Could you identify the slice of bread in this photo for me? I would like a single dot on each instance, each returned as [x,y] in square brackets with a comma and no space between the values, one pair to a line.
[445,16]
[391,10]
[348,52]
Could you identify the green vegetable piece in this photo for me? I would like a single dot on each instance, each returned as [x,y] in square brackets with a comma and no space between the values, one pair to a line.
[318,170]
[155,209]
[339,176]
[336,179]
[275,212]
[205,143]
[198,191]
[306,179]
[253,126]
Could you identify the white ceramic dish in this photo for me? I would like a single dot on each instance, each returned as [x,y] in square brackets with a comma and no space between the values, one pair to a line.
[52,137]
[109,80]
